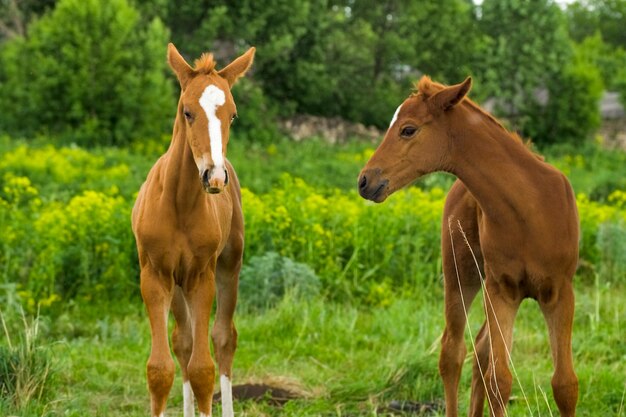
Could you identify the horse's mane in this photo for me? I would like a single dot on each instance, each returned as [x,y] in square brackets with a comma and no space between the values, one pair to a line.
[428,87]
[205,64]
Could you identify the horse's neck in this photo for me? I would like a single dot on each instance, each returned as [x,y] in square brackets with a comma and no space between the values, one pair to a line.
[498,170]
[181,183]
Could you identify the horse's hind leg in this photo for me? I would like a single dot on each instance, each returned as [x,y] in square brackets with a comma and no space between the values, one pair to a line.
[157,292]
[182,340]
[224,334]
[559,315]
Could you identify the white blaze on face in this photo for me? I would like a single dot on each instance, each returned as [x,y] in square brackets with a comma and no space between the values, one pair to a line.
[188,400]
[211,98]
[395,116]
[227,396]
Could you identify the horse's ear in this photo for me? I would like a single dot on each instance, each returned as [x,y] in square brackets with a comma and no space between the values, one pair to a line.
[181,68]
[238,67]
[450,96]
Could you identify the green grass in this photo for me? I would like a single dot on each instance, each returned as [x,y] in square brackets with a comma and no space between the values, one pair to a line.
[349,359]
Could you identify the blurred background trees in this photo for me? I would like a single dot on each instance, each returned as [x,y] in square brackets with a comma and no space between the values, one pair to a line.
[94,72]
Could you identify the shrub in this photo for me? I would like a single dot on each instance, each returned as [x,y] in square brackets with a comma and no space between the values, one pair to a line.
[358,249]
[87,72]
[84,248]
[66,228]
[601,226]
[267,278]
[572,113]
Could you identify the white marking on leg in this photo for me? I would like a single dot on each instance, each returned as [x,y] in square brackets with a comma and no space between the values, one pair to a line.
[227,396]
[188,400]
[211,98]
[395,116]
[205,415]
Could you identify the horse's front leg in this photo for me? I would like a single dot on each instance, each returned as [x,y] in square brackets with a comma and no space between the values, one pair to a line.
[500,311]
[182,341]
[224,334]
[199,293]
[156,292]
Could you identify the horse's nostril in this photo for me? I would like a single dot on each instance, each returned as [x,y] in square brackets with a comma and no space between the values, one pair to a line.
[363,182]
[205,176]
[225,177]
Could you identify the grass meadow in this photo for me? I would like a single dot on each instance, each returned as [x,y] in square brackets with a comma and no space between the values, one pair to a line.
[341,300]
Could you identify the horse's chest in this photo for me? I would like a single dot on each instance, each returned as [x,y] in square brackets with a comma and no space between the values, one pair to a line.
[179,246]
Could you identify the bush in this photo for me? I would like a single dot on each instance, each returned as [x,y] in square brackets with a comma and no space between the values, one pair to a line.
[572,112]
[267,278]
[89,73]
[77,244]
[359,250]
[256,115]
[54,251]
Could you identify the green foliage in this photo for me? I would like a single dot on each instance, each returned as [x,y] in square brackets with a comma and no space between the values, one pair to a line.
[608,60]
[89,72]
[256,114]
[97,68]
[528,48]
[572,112]
[588,17]
[267,278]
[357,249]
[67,236]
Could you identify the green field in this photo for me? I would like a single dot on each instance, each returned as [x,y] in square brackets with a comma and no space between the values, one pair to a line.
[347,317]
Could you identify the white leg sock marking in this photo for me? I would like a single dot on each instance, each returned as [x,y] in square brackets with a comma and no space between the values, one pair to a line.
[188,400]
[227,397]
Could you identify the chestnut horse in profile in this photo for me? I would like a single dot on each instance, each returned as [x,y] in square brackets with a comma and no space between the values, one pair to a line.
[510,218]
[189,229]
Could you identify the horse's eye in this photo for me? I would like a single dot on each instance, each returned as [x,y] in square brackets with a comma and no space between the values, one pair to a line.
[233,117]
[188,115]
[408,131]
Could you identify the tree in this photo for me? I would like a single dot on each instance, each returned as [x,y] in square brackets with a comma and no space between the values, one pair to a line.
[15,14]
[528,48]
[572,112]
[608,17]
[88,72]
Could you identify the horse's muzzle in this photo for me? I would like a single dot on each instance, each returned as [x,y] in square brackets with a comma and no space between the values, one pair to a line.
[372,186]
[214,180]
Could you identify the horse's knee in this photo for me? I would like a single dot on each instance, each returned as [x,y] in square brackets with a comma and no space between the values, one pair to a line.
[453,352]
[224,337]
[160,374]
[201,373]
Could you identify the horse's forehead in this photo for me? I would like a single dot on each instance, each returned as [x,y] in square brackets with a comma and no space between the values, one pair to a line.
[413,106]
[213,86]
